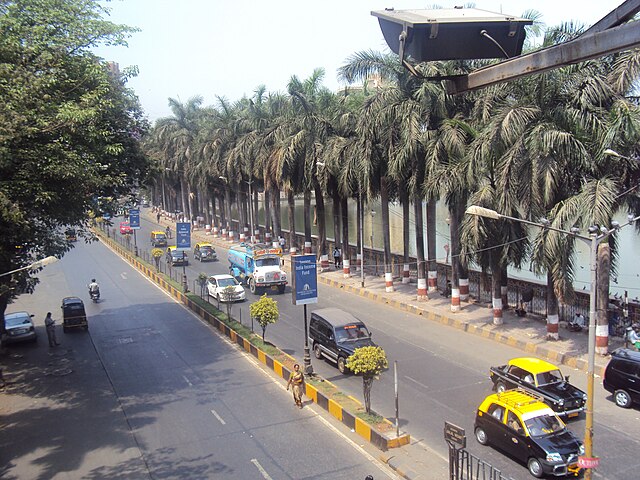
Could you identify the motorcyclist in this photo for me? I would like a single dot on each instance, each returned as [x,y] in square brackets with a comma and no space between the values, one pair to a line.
[94,288]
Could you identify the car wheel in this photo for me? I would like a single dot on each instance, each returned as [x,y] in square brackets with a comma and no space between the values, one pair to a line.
[342,365]
[252,286]
[317,352]
[280,288]
[501,387]
[622,398]
[535,467]
[481,436]
[65,329]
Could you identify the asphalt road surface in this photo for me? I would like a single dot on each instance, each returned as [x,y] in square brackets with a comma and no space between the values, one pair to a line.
[443,374]
[153,392]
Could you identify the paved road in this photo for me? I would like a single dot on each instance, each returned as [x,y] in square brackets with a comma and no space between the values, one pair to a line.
[152,392]
[443,376]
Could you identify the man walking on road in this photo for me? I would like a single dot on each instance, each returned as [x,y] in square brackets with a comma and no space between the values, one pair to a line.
[158,216]
[50,325]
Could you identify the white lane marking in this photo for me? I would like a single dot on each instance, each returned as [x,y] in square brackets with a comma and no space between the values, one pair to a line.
[215,414]
[123,275]
[416,381]
[187,380]
[262,471]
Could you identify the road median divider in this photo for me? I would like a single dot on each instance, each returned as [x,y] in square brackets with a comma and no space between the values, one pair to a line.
[374,428]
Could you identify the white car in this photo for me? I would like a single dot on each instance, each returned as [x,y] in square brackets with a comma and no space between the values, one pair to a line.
[217,283]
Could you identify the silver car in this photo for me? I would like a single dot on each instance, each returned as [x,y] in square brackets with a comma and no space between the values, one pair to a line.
[216,285]
[20,327]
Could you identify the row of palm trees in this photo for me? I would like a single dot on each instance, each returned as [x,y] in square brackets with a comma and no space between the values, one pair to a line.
[530,148]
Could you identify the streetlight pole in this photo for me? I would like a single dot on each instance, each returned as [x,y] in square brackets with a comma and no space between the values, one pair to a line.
[40,263]
[593,240]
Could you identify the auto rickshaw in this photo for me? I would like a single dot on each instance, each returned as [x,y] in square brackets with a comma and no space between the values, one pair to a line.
[73,314]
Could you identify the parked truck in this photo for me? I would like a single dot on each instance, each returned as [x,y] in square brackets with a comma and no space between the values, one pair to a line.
[258,266]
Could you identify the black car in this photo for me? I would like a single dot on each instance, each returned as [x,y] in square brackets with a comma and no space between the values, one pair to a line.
[529,431]
[622,377]
[204,252]
[335,335]
[541,379]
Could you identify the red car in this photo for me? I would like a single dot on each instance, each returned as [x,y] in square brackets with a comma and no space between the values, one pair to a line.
[125,229]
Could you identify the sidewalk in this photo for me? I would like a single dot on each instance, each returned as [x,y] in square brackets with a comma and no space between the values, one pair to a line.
[417,461]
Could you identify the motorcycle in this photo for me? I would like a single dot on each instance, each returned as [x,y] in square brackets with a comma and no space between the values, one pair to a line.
[95,295]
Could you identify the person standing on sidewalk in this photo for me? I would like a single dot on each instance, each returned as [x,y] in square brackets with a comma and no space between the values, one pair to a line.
[158,216]
[336,256]
[296,379]
[50,325]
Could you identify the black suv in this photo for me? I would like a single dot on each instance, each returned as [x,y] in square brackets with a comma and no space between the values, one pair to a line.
[335,334]
[622,377]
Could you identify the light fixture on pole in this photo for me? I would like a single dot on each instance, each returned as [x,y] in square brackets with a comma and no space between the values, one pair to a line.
[596,235]
[38,264]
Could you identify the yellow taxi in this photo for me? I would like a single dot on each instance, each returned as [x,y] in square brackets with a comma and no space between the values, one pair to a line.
[541,379]
[526,429]
[158,239]
[204,252]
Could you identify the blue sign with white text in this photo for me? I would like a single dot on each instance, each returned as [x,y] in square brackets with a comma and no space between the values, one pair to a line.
[134,218]
[305,280]
[183,236]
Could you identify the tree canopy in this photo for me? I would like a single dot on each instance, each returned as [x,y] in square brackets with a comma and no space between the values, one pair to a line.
[69,129]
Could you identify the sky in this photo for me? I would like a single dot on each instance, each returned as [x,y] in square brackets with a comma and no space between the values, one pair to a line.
[222,48]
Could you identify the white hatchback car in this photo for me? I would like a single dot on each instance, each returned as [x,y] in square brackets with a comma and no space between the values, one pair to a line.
[216,285]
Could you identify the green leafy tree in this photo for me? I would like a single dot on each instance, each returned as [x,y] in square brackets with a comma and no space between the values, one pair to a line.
[227,297]
[69,130]
[265,311]
[368,362]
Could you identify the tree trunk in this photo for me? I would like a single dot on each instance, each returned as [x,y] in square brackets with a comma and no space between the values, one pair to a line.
[504,288]
[307,221]
[552,310]
[291,202]
[454,228]
[384,200]
[404,198]
[367,383]
[602,298]
[496,283]
[267,213]
[336,219]
[322,225]
[422,266]
[344,209]
[275,214]
[432,265]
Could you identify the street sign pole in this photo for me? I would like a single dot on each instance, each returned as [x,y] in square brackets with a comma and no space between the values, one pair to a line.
[304,290]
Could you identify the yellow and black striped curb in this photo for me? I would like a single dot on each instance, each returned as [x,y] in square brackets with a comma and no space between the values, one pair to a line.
[378,438]
[542,351]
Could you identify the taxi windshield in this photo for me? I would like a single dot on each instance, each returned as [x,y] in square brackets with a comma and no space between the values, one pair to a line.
[206,248]
[544,425]
[160,236]
[547,378]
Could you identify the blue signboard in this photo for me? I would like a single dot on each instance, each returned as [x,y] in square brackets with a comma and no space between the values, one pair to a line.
[134,218]
[305,281]
[183,236]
